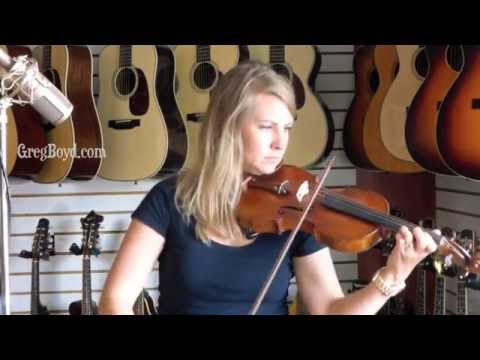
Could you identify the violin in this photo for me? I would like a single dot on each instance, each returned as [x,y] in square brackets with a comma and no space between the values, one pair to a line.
[345,219]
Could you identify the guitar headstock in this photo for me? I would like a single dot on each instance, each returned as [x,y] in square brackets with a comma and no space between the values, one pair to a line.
[90,226]
[43,245]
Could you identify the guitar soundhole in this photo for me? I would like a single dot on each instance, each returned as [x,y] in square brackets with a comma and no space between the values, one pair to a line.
[281,69]
[205,75]
[53,76]
[421,63]
[455,57]
[126,81]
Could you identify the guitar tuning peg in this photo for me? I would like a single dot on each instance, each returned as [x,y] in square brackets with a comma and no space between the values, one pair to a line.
[25,254]
[75,249]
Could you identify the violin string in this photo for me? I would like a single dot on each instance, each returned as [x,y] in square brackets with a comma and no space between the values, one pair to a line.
[376,216]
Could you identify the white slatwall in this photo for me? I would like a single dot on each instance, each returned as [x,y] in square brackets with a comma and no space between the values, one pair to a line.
[458,206]
[64,204]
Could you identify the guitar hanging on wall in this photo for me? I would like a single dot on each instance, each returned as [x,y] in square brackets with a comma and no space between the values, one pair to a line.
[421,125]
[366,84]
[459,121]
[198,69]
[42,248]
[90,226]
[134,130]
[312,136]
[24,128]
[387,63]
[53,62]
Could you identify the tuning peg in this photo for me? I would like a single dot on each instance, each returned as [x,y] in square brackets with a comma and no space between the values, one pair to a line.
[25,254]
[75,249]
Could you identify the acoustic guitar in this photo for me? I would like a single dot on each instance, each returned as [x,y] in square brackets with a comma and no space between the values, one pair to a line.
[86,124]
[198,69]
[311,138]
[53,62]
[387,64]
[413,67]
[366,84]
[134,130]
[176,126]
[26,123]
[445,63]
[459,120]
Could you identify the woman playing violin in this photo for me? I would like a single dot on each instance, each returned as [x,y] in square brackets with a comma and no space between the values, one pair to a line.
[207,263]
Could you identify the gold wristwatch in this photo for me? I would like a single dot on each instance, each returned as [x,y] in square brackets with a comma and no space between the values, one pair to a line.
[388,290]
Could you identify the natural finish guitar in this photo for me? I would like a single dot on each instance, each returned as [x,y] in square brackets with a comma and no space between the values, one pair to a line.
[198,69]
[311,138]
[413,68]
[134,130]
[386,63]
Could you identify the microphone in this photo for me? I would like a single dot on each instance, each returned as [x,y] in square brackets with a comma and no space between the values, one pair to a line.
[25,80]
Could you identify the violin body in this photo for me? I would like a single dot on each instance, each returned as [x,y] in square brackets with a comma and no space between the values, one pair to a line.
[346,220]
[268,211]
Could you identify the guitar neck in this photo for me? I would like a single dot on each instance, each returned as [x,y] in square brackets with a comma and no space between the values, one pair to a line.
[277,54]
[125,59]
[421,292]
[440,290]
[462,298]
[87,308]
[203,53]
[35,288]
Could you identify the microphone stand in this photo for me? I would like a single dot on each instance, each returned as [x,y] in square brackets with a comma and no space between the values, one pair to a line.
[22,71]
[5,103]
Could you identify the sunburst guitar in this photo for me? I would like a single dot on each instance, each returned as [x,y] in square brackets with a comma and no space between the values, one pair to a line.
[198,69]
[445,63]
[133,126]
[366,84]
[311,138]
[458,127]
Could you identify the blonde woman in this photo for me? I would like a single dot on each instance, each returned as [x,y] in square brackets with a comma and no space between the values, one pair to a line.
[206,263]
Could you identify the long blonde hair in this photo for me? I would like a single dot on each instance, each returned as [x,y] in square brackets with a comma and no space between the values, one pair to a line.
[210,190]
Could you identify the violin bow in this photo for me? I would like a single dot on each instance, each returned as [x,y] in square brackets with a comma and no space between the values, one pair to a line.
[288,243]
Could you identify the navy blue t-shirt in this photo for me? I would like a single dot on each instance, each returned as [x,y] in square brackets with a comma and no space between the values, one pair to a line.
[215,279]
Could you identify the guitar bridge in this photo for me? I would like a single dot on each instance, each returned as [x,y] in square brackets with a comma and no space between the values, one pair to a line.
[196,117]
[126,124]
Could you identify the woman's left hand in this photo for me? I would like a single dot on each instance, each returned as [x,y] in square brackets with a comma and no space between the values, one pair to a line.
[410,249]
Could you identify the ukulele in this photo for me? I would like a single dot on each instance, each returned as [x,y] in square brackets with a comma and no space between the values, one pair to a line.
[42,248]
[198,69]
[134,130]
[311,138]
[53,62]
[90,226]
